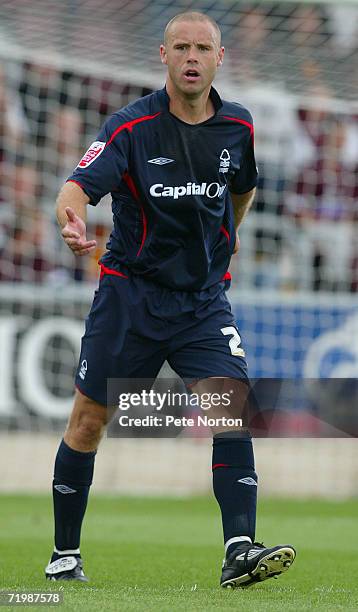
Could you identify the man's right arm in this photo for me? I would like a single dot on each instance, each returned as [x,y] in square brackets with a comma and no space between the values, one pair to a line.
[99,172]
[72,214]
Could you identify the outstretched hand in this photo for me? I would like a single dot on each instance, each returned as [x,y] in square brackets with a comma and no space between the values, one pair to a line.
[74,234]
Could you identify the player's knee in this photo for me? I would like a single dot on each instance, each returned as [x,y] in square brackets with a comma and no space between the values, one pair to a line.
[87,421]
[88,429]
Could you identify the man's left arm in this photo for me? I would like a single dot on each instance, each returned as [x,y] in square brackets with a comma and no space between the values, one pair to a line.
[241,205]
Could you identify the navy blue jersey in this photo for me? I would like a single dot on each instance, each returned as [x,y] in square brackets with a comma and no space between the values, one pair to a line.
[170,183]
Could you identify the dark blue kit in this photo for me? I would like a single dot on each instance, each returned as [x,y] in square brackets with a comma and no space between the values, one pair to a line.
[164,275]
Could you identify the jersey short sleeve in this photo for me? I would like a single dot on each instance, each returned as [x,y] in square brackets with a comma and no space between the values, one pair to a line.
[246,176]
[101,168]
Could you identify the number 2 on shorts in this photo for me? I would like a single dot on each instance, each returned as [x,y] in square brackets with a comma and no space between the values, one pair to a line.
[235,341]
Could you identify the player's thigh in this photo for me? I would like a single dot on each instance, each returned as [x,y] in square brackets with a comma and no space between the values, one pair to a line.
[211,360]
[210,348]
[226,402]
[112,347]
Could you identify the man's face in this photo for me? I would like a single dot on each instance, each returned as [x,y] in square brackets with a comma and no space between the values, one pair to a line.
[192,53]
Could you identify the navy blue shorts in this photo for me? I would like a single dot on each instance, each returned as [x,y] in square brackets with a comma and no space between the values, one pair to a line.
[134,325]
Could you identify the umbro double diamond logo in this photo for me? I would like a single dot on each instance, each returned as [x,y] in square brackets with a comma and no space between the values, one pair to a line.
[248,481]
[160,161]
[64,489]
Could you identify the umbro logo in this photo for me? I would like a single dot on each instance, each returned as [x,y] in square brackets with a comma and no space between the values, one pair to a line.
[250,555]
[160,161]
[64,489]
[248,481]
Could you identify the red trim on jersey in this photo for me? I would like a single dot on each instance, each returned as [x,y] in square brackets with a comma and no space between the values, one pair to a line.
[130,124]
[144,235]
[77,183]
[105,270]
[217,465]
[130,184]
[133,189]
[225,232]
[227,276]
[243,122]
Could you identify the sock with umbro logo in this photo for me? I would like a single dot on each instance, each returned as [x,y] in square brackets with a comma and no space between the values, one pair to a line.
[72,480]
[235,486]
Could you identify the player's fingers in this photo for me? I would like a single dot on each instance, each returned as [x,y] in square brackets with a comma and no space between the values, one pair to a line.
[71,215]
[85,251]
[77,246]
[85,244]
[67,234]
[73,242]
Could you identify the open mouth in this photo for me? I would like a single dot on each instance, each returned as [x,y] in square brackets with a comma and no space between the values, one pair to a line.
[191,75]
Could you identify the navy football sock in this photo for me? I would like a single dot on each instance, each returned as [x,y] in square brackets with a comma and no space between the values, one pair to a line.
[72,479]
[235,486]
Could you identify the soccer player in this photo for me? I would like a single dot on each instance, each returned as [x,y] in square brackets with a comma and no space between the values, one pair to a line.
[180,166]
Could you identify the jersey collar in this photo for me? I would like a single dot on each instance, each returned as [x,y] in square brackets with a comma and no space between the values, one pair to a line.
[215,98]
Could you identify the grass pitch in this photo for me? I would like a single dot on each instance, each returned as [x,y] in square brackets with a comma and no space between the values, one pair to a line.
[165,554]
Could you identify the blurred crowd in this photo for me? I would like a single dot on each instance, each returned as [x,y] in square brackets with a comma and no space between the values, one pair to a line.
[302,233]
[297,67]
[45,126]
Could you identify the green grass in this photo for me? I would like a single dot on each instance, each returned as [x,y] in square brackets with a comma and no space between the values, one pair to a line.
[165,554]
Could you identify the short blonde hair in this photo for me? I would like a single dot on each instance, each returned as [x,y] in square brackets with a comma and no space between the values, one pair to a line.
[192,16]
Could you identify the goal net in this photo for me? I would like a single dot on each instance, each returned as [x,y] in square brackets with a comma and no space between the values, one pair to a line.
[65,66]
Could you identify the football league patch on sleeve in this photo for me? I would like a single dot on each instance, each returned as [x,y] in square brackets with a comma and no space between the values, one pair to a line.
[91,154]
